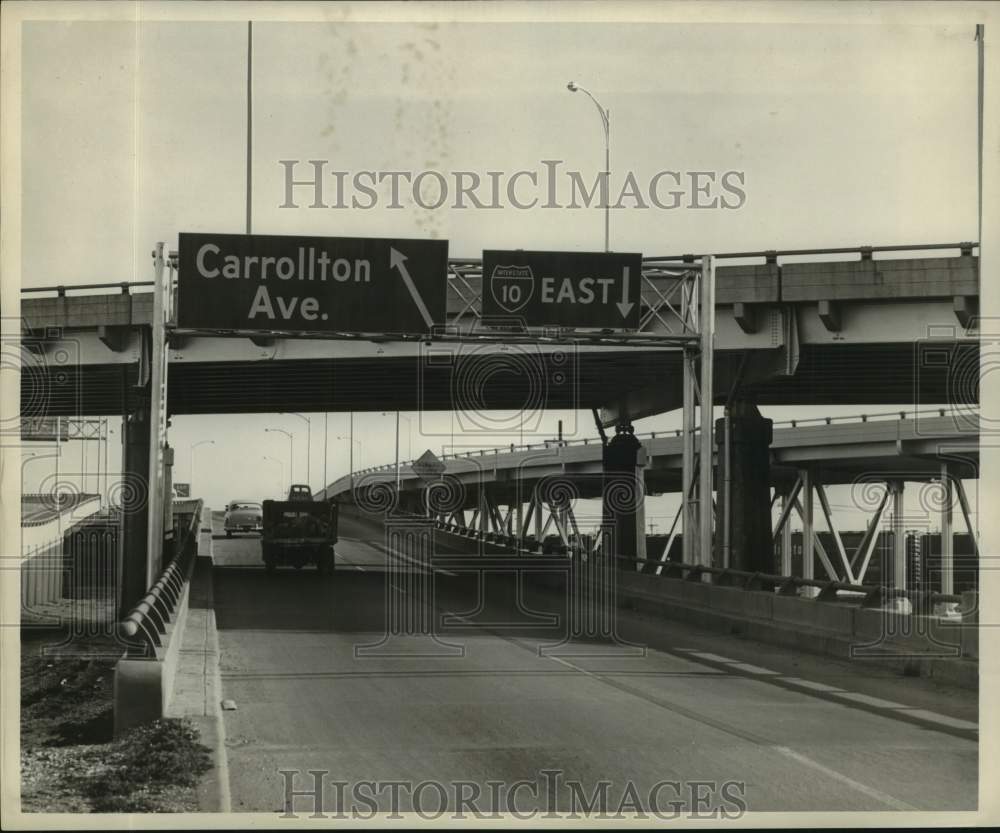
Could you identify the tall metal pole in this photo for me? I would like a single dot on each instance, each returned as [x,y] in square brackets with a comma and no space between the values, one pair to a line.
[308,423]
[607,179]
[605,114]
[688,528]
[157,418]
[291,450]
[351,452]
[326,441]
[397,452]
[707,310]
[249,121]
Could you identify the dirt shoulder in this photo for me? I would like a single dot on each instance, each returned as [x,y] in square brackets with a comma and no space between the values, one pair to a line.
[70,761]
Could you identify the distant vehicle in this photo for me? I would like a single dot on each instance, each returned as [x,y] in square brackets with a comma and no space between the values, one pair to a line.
[243,516]
[553,545]
[299,532]
[299,491]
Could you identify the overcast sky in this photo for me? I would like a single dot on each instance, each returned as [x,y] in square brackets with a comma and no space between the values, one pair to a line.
[132,133]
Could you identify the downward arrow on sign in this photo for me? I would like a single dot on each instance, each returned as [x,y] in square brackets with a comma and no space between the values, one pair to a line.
[625,306]
[397,260]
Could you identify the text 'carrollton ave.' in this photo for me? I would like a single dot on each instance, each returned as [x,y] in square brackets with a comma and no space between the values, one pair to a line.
[311,284]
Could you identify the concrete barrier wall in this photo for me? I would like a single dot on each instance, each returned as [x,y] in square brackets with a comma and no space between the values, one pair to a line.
[927,645]
[144,688]
[42,575]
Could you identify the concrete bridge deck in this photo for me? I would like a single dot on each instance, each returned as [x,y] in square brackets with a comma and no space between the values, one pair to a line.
[842,451]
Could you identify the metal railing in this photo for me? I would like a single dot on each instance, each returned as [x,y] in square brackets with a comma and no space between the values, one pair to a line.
[513,448]
[146,625]
[466,266]
[867,595]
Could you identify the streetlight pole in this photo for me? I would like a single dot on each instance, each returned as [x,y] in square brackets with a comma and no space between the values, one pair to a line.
[280,464]
[291,450]
[191,449]
[409,434]
[350,465]
[308,446]
[573,87]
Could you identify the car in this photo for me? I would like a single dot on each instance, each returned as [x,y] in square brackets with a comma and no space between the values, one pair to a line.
[299,491]
[243,516]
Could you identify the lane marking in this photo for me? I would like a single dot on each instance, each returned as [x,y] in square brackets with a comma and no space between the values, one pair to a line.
[810,684]
[871,792]
[854,697]
[711,657]
[402,557]
[751,669]
[944,720]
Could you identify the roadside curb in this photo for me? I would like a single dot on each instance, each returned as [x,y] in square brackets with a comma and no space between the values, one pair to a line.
[198,690]
[213,791]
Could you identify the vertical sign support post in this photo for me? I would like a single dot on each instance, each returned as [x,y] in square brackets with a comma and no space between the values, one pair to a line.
[157,416]
[698,428]
[705,464]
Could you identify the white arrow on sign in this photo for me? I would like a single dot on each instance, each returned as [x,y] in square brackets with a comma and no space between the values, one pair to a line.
[397,260]
[625,307]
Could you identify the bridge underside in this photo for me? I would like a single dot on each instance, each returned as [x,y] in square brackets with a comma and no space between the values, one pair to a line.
[862,374]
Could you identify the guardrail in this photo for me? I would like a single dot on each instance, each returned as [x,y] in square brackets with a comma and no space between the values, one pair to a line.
[146,625]
[652,435]
[770,255]
[869,595]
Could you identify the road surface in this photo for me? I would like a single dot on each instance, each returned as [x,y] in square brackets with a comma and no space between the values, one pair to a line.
[317,687]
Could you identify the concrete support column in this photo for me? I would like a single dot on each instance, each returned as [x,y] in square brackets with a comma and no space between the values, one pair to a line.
[947,532]
[743,539]
[169,544]
[786,533]
[897,489]
[808,531]
[134,510]
[624,497]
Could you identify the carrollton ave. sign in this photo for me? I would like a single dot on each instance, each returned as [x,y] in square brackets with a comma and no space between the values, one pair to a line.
[310,284]
[584,290]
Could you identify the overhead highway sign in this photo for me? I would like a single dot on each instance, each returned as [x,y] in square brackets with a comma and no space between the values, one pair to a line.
[587,290]
[310,284]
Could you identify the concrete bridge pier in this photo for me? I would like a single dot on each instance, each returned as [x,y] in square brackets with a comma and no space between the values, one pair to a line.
[743,539]
[134,509]
[623,495]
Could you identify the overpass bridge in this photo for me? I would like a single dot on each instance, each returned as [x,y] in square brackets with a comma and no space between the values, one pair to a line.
[515,495]
[863,325]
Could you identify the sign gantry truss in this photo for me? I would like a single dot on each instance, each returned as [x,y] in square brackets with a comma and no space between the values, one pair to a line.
[679,296]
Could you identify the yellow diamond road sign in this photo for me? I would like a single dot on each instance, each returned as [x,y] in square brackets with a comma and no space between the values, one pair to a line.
[428,465]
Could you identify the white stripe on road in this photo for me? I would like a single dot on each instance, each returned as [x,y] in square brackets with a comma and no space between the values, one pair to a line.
[878,702]
[810,684]
[710,657]
[871,792]
[751,669]
[944,720]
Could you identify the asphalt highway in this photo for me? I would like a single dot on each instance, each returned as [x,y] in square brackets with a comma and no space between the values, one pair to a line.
[493,709]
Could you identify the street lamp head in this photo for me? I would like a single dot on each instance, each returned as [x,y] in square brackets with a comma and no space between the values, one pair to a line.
[572,87]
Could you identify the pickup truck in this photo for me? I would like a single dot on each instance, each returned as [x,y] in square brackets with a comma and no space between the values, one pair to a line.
[299,532]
